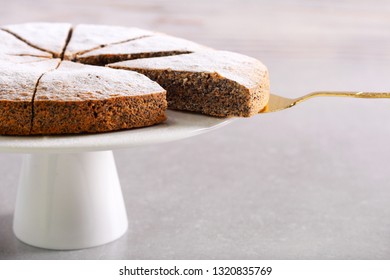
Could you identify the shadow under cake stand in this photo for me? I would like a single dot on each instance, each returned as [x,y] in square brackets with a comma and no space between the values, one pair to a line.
[69,195]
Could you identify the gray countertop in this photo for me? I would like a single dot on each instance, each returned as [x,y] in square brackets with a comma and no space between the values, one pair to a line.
[311,182]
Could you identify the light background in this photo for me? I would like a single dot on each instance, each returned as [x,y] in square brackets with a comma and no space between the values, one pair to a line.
[311,182]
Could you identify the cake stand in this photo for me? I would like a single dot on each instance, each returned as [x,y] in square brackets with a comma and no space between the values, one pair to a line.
[69,195]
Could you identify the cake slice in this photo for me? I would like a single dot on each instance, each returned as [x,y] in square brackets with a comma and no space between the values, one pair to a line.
[17,87]
[217,83]
[48,37]
[11,46]
[87,37]
[152,46]
[78,98]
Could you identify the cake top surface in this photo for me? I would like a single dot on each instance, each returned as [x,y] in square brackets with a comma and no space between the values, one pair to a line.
[17,82]
[10,45]
[78,82]
[49,37]
[151,44]
[33,42]
[46,67]
[226,64]
[86,37]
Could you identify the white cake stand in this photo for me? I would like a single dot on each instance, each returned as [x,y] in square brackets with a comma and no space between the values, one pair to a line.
[69,195]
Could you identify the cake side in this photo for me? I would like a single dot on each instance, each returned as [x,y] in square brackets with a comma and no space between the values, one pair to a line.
[259,95]
[104,59]
[15,117]
[118,113]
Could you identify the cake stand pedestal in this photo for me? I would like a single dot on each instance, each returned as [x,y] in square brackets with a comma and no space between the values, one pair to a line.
[69,195]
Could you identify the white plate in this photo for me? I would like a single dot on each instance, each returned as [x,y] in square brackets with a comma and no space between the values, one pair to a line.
[178,126]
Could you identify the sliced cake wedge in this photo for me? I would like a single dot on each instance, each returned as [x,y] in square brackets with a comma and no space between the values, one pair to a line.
[17,87]
[217,83]
[78,98]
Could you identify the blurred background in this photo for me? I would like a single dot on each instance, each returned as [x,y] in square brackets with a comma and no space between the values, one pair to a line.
[311,182]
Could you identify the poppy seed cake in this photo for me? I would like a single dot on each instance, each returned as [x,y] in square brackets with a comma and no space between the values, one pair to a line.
[61,79]
[217,83]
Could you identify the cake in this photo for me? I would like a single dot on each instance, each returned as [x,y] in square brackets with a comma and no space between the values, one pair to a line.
[61,79]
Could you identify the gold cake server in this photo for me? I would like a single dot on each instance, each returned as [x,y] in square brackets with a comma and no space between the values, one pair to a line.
[277,103]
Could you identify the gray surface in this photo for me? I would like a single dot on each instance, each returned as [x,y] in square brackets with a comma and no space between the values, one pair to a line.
[311,182]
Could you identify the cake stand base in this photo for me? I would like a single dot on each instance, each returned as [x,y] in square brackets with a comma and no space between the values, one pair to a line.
[69,201]
[69,195]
